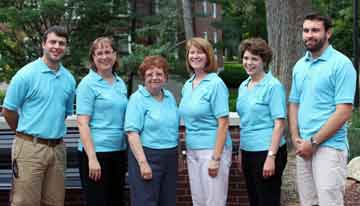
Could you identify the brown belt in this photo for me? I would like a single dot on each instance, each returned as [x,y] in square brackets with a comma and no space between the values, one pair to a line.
[48,142]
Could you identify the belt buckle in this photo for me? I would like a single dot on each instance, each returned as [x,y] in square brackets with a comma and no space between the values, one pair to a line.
[51,143]
[35,139]
[48,142]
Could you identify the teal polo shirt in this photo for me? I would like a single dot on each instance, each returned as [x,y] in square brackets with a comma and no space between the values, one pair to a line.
[106,105]
[156,122]
[43,98]
[201,107]
[258,109]
[318,86]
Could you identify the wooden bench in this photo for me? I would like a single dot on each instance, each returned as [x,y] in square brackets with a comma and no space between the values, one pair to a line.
[74,193]
[72,177]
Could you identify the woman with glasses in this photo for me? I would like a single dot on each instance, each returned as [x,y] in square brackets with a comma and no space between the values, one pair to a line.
[101,105]
[152,126]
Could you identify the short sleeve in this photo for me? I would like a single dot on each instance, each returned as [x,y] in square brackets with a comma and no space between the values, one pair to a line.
[277,102]
[345,84]
[219,100]
[85,99]
[16,93]
[70,100]
[294,96]
[135,115]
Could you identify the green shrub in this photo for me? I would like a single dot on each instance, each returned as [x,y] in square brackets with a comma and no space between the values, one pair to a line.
[232,99]
[355,119]
[2,96]
[354,135]
[233,74]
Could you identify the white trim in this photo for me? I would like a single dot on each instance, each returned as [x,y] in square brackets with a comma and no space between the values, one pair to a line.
[129,44]
[215,37]
[205,35]
[204,5]
[214,13]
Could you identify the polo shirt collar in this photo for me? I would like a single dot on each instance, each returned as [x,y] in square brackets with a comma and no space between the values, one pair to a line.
[264,81]
[208,77]
[146,93]
[323,57]
[94,75]
[45,68]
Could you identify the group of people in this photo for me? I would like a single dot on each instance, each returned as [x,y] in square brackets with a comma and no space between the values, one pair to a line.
[141,134]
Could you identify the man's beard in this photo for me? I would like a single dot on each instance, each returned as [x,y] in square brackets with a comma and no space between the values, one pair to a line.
[319,44]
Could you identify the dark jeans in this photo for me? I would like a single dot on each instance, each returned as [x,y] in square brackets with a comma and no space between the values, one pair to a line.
[161,189]
[108,191]
[261,191]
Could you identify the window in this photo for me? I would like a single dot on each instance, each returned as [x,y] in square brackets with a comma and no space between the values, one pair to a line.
[215,37]
[214,10]
[205,35]
[204,7]
[129,44]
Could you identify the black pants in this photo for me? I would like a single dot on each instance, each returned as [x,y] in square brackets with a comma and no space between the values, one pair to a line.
[108,191]
[161,189]
[261,191]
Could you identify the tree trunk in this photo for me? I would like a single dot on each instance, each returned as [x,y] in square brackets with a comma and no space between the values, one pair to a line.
[188,18]
[284,25]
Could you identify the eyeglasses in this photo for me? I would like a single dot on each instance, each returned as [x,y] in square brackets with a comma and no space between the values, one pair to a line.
[106,53]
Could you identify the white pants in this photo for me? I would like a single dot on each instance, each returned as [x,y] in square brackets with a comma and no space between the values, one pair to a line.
[206,190]
[321,179]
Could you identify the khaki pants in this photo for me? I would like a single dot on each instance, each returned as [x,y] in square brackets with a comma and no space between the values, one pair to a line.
[321,179]
[39,177]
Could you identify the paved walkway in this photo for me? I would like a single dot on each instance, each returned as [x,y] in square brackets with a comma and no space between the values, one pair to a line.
[289,192]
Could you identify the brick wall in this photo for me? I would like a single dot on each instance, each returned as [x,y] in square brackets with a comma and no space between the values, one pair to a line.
[237,191]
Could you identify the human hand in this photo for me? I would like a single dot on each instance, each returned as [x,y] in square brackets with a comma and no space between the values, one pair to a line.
[94,169]
[145,170]
[304,149]
[296,142]
[269,167]
[213,167]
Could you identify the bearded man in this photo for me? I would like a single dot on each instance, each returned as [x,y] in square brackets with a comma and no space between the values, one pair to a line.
[321,100]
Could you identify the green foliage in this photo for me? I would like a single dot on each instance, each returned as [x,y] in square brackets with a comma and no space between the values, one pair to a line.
[2,96]
[88,20]
[241,19]
[353,137]
[233,74]
[341,12]
[132,61]
[161,30]
[23,23]
[354,134]
[232,99]
[355,119]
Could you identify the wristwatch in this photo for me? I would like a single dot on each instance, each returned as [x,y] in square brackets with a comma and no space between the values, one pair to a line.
[271,154]
[215,159]
[314,143]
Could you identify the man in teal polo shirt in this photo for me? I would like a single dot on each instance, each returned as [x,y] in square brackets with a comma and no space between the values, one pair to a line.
[321,99]
[39,98]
